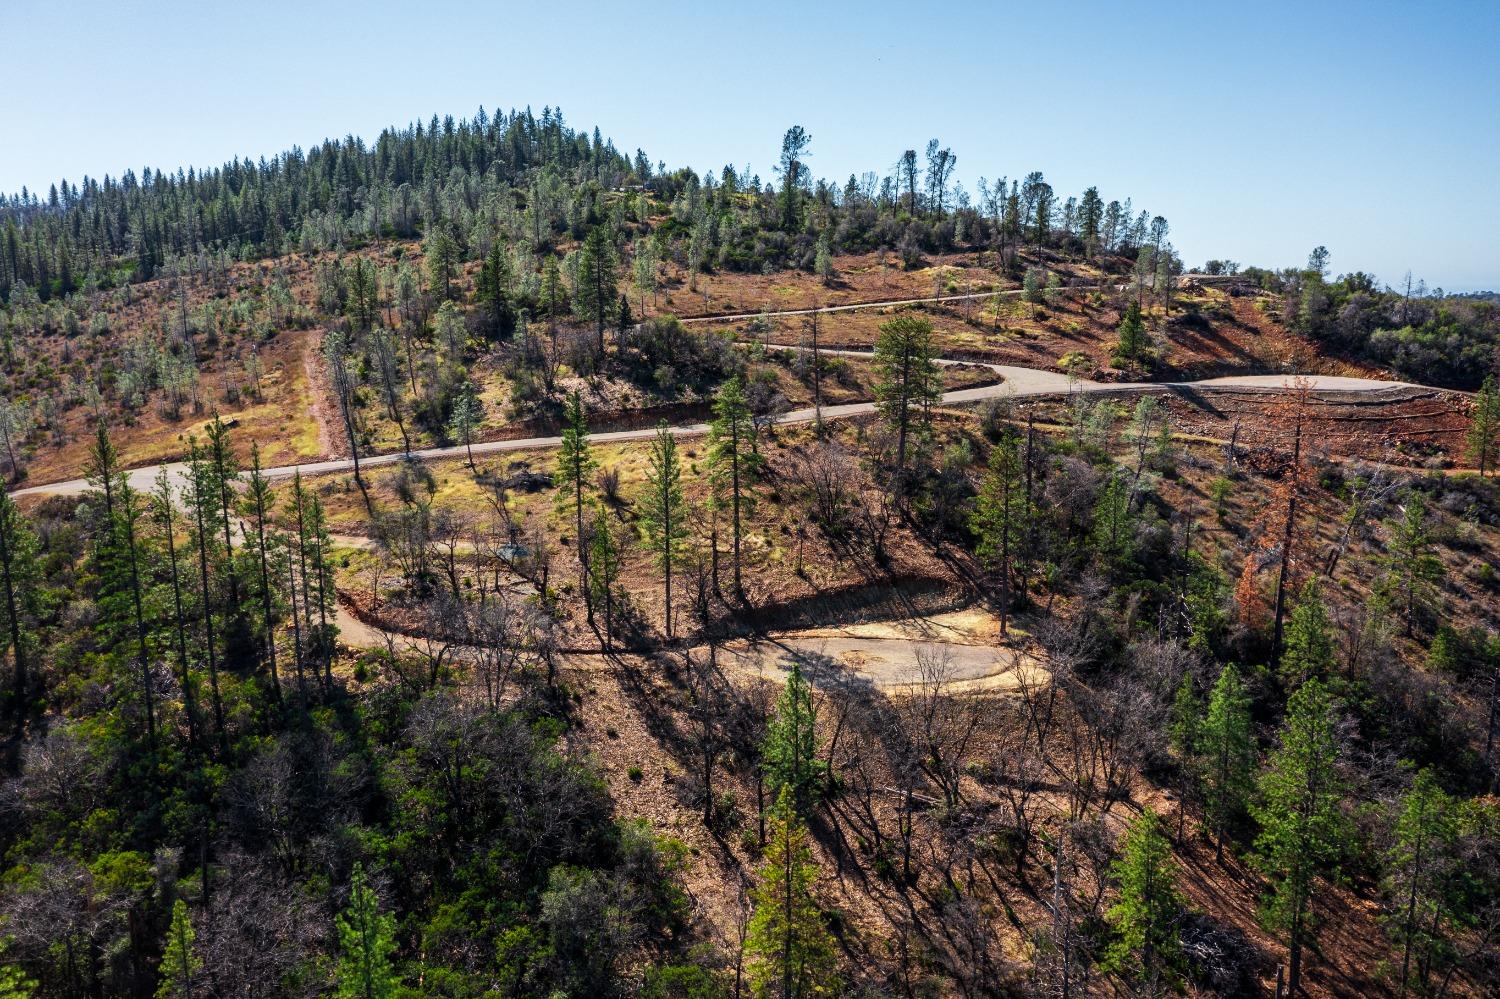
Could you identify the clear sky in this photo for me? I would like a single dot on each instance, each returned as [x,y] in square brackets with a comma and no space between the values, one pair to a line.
[1260,130]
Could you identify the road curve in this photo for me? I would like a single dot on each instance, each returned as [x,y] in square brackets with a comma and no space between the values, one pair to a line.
[1015,382]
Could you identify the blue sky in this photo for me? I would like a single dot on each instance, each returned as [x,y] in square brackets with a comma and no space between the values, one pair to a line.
[1259,130]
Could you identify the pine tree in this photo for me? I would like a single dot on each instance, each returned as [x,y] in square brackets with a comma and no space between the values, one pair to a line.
[644,270]
[790,751]
[791,952]
[1203,599]
[367,937]
[1000,517]
[20,576]
[335,351]
[493,290]
[908,383]
[574,465]
[180,962]
[1309,638]
[1302,827]
[604,571]
[663,520]
[554,295]
[595,296]
[823,259]
[733,460]
[441,255]
[301,501]
[1147,947]
[225,473]
[259,501]
[1483,438]
[325,596]
[117,558]
[1187,720]
[467,415]
[166,519]
[1411,558]
[1418,878]
[1132,334]
[362,295]
[1032,287]
[793,175]
[1227,747]
[1114,522]
[202,499]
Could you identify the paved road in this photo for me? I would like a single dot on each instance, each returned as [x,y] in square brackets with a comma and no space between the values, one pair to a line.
[1013,382]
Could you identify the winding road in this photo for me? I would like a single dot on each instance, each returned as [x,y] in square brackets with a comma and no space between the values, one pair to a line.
[1014,382]
[881,660]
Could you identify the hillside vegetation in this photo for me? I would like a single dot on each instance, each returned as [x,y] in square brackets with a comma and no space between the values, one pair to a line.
[1097,689]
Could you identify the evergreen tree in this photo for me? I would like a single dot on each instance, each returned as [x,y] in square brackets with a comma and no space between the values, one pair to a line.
[793,170]
[202,499]
[1483,438]
[180,963]
[595,296]
[554,294]
[1090,219]
[1033,287]
[363,296]
[792,954]
[1411,559]
[1309,638]
[325,596]
[440,252]
[1114,523]
[823,259]
[1302,827]
[663,520]
[1227,746]
[335,351]
[1419,879]
[1187,720]
[1203,599]
[575,463]
[226,474]
[117,558]
[623,319]
[1147,947]
[166,519]
[1132,334]
[20,575]
[1182,732]
[259,501]
[493,290]
[465,418]
[733,460]
[604,570]
[644,270]
[1001,516]
[367,938]
[790,751]
[908,383]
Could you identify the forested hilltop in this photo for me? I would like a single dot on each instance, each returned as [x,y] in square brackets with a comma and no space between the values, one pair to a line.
[534,183]
[485,563]
[528,179]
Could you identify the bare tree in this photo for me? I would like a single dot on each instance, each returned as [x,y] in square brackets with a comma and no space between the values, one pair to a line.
[940,720]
